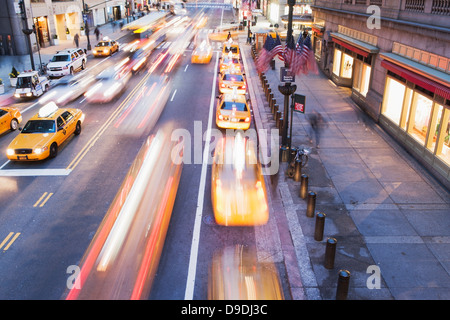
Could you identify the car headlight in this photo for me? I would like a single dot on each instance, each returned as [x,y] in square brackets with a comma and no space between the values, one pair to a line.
[29,94]
[40,150]
[10,152]
[105,50]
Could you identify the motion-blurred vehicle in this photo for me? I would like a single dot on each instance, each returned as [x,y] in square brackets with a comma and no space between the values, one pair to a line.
[138,60]
[123,256]
[221,34]
[106,47]
[30,84]
[42,135]
[67,89]
[110,84]
[202,52]
[229,64]
[236,274]
[10,118]
[232,82]
[233,112]
[230,46]
[238,191]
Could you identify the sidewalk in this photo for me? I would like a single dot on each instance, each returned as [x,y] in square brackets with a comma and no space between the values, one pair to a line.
[384,209]
[22,63]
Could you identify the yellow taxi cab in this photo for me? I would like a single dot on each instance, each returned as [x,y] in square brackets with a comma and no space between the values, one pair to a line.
[231,82]
[202,52]
[233,112]
[238,191]
[236,274]
[44,133]
[9,119]
[230,64]
[106,47]
[230,46]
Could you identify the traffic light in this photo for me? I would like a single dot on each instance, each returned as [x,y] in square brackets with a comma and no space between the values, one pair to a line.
[22,6]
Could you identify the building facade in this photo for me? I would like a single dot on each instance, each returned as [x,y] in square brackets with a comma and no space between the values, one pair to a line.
[394,55]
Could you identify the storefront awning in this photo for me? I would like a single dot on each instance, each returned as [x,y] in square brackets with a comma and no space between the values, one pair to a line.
[431,79]
[300,19]
[354,45]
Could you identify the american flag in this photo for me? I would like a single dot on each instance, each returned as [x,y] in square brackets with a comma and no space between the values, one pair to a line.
[269,50]
[289,51]
[278,48]
[306,62]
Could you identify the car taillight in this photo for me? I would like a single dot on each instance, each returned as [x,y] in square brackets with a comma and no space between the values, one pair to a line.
[247,119]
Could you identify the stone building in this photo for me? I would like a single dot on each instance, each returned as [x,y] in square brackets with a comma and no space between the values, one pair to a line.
[394,55]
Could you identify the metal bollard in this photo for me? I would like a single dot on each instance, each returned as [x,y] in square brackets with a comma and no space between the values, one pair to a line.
[284,153]
[275,109]
[330,253]
[298,170]
[277,117]
[303,185]
[311,205]
[270,97]
[268,93]
[320,225]
[272,104]
[342,286]
[280,125]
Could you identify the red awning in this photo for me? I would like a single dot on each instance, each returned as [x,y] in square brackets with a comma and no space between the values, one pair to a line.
[418,79]
[352,48]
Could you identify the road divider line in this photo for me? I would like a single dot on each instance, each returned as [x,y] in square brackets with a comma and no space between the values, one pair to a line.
[6,239]
[40,199]
[103,128]
[173,95]
[12,241]
[190,282]
[46,199]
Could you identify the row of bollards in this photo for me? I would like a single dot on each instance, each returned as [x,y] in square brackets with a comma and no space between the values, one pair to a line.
[330,248]
[294,171]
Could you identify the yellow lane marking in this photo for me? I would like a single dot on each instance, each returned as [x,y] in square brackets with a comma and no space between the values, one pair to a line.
[47,196]
[103,128]
[10,242]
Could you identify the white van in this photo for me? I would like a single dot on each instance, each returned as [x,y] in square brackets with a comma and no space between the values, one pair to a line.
[66,62]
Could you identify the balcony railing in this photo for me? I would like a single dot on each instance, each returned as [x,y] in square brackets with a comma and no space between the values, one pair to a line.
[415,5]
[441,7]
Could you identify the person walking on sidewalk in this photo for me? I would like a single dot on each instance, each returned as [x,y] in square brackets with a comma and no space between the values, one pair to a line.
[317,124]
[76,40]
[97,32]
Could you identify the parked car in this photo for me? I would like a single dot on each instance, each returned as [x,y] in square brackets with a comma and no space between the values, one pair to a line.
[66,62]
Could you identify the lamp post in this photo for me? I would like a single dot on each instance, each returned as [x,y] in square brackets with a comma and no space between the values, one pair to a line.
[86,27]
[27,31]
[287,89]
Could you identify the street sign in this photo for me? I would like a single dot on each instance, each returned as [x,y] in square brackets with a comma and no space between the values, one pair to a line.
[299,103]
[286,75]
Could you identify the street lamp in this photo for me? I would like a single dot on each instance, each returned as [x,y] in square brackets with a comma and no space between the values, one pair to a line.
[86,27]
[287,89]
[27,31]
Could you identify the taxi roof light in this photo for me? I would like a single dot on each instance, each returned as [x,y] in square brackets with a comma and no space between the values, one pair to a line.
[48,110]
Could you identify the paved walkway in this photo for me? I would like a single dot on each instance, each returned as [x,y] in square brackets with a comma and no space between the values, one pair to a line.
[385,210]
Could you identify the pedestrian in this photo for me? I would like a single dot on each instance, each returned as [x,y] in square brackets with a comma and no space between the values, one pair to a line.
[97,32]
[249,37]
[76,40]
[317,124]
[229,35]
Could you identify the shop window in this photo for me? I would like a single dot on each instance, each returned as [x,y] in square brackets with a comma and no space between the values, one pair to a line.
[420,117]
[393,100]
[342,64]
[337,61]
[443,137]
[361,77]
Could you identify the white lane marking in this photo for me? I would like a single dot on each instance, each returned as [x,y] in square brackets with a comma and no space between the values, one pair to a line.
[186,68]
[190,282]
[33,172]
[5,164]
[173,95]
[32,106]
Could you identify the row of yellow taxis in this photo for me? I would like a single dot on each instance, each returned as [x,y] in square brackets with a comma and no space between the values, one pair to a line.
[238,191]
